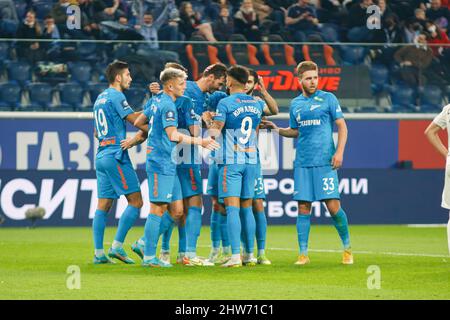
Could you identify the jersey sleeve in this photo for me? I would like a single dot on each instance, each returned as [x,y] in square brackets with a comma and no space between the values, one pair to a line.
[292,120]
[335,108]
[262,105]
[440,119]
[120,104]
[190,117]
[214,100]
[221,112]
[169,115]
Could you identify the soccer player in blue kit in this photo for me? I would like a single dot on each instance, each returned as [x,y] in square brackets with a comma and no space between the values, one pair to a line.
[161,158]
[312,115]
[235,123]
[115,174]
[202,92]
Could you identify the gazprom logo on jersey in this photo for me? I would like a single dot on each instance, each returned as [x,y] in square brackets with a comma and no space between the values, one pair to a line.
[307,123]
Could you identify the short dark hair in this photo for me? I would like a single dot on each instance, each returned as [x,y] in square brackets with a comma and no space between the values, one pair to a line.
[219,70]
[113,69]
[238,73]
[252,72]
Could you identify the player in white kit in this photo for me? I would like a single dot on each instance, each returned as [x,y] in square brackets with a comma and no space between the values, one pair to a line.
[442,122]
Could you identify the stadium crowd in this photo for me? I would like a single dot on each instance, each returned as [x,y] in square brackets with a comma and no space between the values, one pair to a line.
[422,22]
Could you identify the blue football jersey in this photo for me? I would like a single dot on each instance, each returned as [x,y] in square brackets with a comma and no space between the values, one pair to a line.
[110,110]
[161,113]
[241,115]
[198,96]
[314,118]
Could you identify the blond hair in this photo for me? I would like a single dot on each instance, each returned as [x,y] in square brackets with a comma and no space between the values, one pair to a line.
[306,66]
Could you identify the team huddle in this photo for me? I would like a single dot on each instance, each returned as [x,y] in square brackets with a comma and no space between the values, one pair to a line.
[181,123]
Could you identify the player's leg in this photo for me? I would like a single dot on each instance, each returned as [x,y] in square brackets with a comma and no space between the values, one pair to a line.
[326,188]
[182,237]
[160,195]
[304,194]
[261,230]
[230,187]
[217,211]
[106,196]
[246,212]
[125,182]
[340,222]
[98,230]
[448,232]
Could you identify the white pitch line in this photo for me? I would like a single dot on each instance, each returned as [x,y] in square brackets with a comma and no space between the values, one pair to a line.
[364,252]
[435,225]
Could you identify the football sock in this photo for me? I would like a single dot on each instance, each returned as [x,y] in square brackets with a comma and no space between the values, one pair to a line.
[166,228]
[341,224]
[261,230]
[151,231]
[224,231]
[234,229]
[193,225]
[448,233]
[98,228]
[215,229]
[249,227]
[141,241]
[181,239]
[116,244]
[126,221]
[303,227]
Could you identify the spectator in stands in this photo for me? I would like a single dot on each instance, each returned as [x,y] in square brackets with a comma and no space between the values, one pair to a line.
[223,27]
[391,33]
[140,7]
[404,9]
[246,21]
[51,49]
[192,22]
[357,22]
[302,20]
[171,31]
[149,30]
[414,61]
[59,14]
[332,11]
[413,26]
[438,14]
[107,10]
[279,8]
[29,29]
[8,19]
[90,26]
[438,36]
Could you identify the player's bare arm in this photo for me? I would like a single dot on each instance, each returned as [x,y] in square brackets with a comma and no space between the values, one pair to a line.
[141,122]
[271,107]
[285,132]
[216,129]
[338,157]
[138,138]
[431,133]
[131,118]
[178,137]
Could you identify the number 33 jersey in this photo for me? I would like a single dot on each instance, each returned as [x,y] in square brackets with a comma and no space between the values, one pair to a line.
[110,110]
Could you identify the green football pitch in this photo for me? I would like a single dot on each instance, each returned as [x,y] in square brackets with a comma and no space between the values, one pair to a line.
[410,263]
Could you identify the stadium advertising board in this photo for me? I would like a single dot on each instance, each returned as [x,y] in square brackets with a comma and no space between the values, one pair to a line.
[345,81]
[376,196]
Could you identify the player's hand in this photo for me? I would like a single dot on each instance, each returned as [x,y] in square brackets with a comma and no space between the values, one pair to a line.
[126,144]
[210,144]
[266,124]
[262,87]
[337,160]
[154,87]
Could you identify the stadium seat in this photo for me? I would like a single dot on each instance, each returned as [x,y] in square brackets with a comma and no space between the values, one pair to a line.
[353,55]
[135,97]
[89,51]
[330,32]
[367,109]
[81,72]
[431,99]
[41,95]
[447,93]
[42,8]
[19,72]
[403,99]
[379,76]
[200,55]
[71,97]
[278,54]
[21,8]
[323,55]
[95,88]
[10,96]
[4,55]
[243,54]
